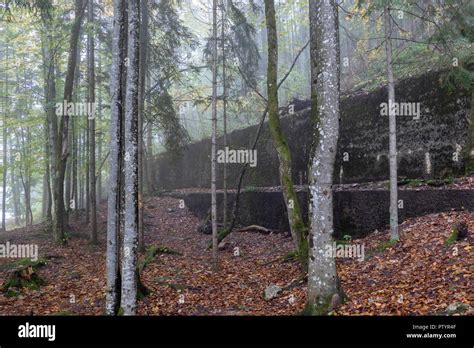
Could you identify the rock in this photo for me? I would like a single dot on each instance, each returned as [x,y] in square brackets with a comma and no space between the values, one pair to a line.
[222,245]
[272,291]
[205,228]
[457,307]
[462,229]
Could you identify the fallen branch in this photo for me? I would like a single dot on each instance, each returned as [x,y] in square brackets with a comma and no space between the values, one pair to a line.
[287,257]
[257,228]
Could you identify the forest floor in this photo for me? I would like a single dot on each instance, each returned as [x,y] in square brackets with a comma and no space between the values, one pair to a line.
[419,275]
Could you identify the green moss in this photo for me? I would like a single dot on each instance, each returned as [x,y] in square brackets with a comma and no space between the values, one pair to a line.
[381,247]
[151,253]
[250,188]
[291,255]
[34,283]
[452,237]
[62,313]
[420,182]
[323,307]
[25,262]
[342,242]
[12,293]
[221,234]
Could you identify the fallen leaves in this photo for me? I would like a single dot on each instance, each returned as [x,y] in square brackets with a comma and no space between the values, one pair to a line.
[419,275]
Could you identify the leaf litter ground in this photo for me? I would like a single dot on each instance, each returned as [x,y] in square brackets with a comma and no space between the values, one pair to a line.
[418,276]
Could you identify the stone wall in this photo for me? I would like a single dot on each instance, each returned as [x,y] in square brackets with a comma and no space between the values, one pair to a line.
[356,212]
[426,146]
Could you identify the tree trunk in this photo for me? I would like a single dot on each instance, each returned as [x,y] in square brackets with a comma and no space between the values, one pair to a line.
[323,284]
[46,205]
[51,118]
[87,173]
[15,195]
[99,135]
[224,118]
[470,136]
[80,164]
[91,121]
[213,138]
[297,226]
[114,203]
[149,153]
[130,241]
[75,135]
[141,103]
[62,139]
[392,128]
[4,148]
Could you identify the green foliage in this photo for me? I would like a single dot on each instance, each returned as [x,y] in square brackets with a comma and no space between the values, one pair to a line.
[168,36]
[40,8]
[446,37]
[164,117]
[452,237]
[24,262]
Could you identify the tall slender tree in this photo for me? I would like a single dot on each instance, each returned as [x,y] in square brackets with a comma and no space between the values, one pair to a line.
[392,122]
[323,283]
[91,122]
[298,228]
[114,203]
[144,42]
[5,143]
[130,240]
[224,113]
[60,141]
[213,137]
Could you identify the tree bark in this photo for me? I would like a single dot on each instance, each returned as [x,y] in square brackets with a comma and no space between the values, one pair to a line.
[224,117]
[323,284]
[62,139]
[4,148]
[114,203]
[51,119]
[142,77]
[392,128]
[130,241]
[297,226]
[91,122]
[213,138]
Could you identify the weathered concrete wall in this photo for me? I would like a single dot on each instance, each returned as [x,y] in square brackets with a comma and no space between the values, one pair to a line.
[356,212]
[440,131]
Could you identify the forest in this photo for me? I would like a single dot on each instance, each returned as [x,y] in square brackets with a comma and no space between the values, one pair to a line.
[237,157]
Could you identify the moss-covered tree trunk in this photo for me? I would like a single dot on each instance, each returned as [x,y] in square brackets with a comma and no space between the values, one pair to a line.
[297,226]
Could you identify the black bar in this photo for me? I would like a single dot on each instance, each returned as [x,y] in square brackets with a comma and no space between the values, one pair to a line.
[162,331]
